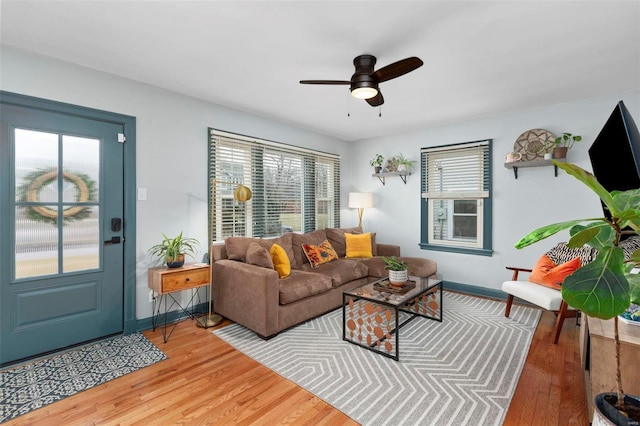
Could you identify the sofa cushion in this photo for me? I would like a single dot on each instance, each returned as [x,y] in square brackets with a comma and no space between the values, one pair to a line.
[236,247]
[341,271]
[281,261]
[317,255]
[259,256]
[315,238]
[302,284]
[284,241]
[358,245]
[375,267]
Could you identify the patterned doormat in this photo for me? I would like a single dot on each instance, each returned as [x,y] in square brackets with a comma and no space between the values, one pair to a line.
[34,385]
[462,371]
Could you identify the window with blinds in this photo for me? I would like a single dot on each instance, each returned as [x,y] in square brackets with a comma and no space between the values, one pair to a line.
[293,189]
[456,197]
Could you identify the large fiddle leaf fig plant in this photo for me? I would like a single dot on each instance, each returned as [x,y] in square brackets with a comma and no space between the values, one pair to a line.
[606,287]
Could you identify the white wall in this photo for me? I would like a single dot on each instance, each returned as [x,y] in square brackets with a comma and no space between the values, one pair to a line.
[172,132]
[171,135]
[536,198]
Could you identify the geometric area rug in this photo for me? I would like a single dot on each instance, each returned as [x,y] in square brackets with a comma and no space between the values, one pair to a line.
[461,371]
[34,385]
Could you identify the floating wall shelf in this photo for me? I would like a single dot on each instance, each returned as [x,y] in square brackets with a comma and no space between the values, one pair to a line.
[515,165]
[383,176]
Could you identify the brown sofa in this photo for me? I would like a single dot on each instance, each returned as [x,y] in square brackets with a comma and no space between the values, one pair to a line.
[255,296]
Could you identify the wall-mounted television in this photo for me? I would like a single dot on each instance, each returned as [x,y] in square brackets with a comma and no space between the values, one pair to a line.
[615,153]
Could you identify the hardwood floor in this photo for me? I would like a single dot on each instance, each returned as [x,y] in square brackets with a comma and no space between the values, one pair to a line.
[205,381]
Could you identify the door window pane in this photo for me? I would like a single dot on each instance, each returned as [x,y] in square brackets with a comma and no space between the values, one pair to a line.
[81,165]
[36,246]
[36,164]
[81,238]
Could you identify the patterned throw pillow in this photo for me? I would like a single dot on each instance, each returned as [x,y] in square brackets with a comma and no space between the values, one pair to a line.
[358,245]
[319,254]
[562,254]
[548,274]
[630,245]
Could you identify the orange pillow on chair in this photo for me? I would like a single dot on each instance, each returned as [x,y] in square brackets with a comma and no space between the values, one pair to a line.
[549,274]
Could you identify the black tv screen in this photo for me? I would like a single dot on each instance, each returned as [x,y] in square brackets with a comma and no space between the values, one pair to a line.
[615,153]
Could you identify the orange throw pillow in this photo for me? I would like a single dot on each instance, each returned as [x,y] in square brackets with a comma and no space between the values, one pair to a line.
[549,274]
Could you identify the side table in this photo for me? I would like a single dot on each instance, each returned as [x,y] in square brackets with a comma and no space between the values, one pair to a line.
[166,281]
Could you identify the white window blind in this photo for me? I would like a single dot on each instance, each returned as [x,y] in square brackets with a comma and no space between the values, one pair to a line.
[459,171]
[294,189]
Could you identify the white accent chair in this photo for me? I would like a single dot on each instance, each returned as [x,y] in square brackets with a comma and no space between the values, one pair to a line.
[545,297]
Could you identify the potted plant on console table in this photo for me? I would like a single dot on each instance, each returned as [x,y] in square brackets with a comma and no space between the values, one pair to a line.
[606,287]
[173,250]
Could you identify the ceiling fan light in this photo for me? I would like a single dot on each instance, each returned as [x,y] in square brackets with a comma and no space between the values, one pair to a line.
[364,92]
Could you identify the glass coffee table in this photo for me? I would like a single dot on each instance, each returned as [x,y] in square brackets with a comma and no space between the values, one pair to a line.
[371,313]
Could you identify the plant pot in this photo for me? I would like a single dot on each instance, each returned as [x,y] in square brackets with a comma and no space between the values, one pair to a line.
[378,169]
[398,278]
[560,152]
[171,263]
[605,414]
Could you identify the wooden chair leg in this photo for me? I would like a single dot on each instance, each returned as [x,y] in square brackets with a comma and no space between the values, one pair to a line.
[507,310]
[562,314]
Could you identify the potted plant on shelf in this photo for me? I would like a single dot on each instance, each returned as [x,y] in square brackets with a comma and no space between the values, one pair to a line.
[398,270]
[376,162]
[563,143]
[606,287]
[405,165]
[173,250]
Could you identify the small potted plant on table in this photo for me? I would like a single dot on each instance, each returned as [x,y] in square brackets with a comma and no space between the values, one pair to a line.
[173,250]
[398,270]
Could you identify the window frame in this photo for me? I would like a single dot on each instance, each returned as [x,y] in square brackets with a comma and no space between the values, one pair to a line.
[483,244]
[257,159]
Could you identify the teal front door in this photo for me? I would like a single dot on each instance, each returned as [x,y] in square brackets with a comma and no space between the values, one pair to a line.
[61,258]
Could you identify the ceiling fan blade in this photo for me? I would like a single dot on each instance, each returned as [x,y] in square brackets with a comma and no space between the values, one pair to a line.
[377,100]
[324,82]
[397,69]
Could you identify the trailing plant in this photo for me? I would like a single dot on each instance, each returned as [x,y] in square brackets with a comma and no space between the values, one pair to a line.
[171,248]
[394,264]
[606,287]
[567,140]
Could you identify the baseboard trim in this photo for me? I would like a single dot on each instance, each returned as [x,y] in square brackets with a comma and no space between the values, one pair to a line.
[474,290]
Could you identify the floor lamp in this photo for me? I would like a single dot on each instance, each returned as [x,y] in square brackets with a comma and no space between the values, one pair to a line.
[241,194]
[360,201]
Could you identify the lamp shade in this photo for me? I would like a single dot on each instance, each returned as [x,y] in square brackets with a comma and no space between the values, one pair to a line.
[360,200]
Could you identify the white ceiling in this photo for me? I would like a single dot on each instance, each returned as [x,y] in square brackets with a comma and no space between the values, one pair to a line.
[480,58]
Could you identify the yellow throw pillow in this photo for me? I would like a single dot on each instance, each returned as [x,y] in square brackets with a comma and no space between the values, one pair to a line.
[281,261]
[358,245]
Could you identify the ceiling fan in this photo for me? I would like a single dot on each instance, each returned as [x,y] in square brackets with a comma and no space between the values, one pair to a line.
[364,82]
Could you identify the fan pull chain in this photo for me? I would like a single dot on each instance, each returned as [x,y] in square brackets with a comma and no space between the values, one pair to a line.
[380,112]
[348,104]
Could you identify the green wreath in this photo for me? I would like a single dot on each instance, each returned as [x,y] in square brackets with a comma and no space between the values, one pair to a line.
[35,181]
